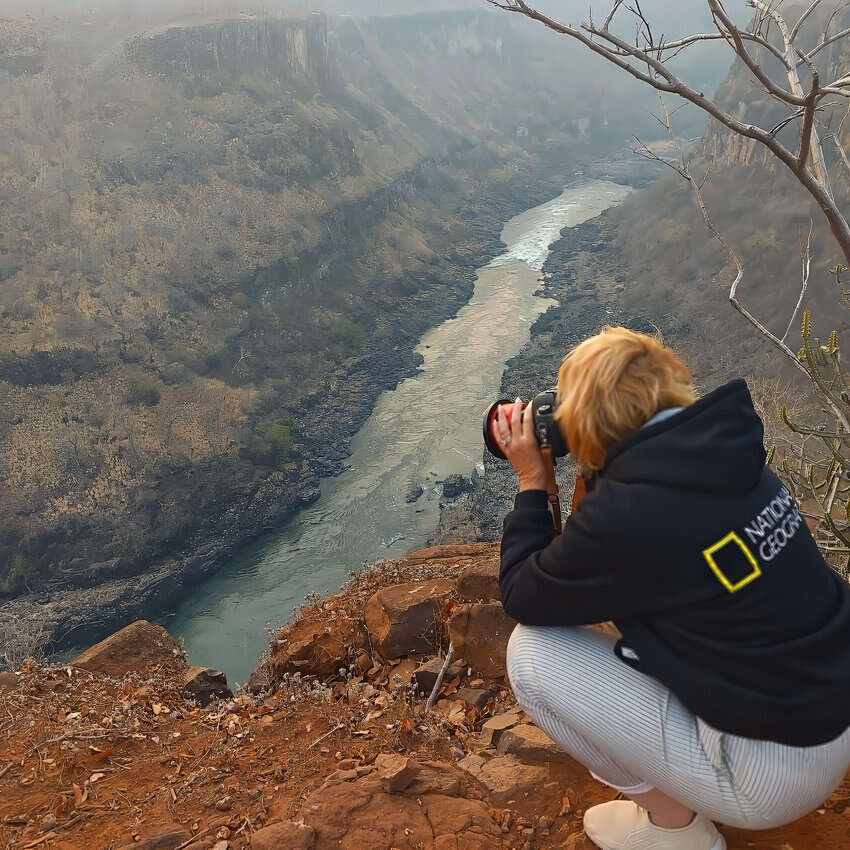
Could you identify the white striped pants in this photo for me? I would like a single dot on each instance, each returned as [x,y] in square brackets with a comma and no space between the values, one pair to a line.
[634,735]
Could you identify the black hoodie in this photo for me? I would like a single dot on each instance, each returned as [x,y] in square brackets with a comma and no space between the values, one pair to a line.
[700,556]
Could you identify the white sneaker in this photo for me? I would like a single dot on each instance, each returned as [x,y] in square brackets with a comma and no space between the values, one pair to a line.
[624,825]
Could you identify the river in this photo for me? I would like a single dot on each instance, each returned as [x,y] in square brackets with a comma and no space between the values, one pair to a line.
[425,429]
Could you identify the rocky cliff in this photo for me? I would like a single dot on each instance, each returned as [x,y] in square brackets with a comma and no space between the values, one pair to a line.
[218,246]
[330,748]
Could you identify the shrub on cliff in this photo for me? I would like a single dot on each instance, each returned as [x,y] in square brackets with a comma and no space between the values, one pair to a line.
[15,579]
[143,389]
[279,437]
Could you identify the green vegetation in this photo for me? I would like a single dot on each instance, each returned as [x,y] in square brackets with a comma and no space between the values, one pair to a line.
[279,437]
[349,334]
[19,573]
[143,389]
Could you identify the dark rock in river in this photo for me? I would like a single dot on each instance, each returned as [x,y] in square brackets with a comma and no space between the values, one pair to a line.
[414,493]
[457,485]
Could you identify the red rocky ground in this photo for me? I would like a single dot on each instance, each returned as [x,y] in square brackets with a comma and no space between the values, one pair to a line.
[333,750]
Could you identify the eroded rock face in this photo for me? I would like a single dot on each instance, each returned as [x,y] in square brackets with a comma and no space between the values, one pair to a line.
[480,634]
[442,808]
[137,648]
[401,619]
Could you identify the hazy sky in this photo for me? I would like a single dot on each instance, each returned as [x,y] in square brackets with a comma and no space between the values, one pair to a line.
[668,11]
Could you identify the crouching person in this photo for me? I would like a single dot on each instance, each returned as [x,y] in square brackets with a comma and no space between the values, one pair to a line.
[727,697]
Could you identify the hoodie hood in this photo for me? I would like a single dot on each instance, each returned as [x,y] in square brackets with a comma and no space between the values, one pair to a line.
[714,445]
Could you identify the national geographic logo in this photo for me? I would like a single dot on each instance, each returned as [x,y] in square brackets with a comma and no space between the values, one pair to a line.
[770,531]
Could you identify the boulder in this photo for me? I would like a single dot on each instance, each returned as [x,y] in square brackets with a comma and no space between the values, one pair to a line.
[206,684]
[531,745]
[137,648]
[494,728]
[425,675]
[259,681]
[313,646]
[443,805]
[395,771]
[285,834]
[505,777]
[474,696]
[480,581]
[455,485]
[480,635]
[414,493]
[400,619]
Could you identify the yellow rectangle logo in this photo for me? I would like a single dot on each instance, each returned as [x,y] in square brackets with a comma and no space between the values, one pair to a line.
[730,539]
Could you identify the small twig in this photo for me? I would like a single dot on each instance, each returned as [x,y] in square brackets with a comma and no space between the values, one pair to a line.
[327,735]
[440,676]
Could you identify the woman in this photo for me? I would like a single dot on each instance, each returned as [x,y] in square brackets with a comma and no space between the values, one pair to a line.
[727,698]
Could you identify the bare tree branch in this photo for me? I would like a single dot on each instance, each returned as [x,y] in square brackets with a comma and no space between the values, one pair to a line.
[660,77]
[808,130]
[821,172]
[806,254]
[734,35]
[610,16]
[804,17]
[718,36]
[826,42]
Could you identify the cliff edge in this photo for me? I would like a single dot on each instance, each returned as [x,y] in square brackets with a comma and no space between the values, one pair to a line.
[329,746]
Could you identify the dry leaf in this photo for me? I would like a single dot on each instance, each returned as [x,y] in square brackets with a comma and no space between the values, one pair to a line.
[451,687]
[157,708]
[96,777]
[80,796]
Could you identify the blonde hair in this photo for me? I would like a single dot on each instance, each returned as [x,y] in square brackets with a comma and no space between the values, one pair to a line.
[612,384]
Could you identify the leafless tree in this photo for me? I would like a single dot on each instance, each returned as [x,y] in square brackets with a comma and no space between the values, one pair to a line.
[780,54]
[648,60]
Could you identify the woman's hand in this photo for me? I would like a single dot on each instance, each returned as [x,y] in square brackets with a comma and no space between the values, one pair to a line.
[521,448]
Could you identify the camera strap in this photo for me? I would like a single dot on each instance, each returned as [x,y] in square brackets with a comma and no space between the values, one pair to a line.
[552,486]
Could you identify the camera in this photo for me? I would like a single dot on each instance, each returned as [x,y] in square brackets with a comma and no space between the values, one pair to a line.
[546,429]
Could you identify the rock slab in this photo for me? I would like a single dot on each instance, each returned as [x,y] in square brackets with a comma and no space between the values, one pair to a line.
[531,745]
[396,772]
[480,581]
[425,675]
[286,834]
[494,728]
[505,777]
[136,648]
[401,619]
[442,808]
[206,684]
[480,634]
